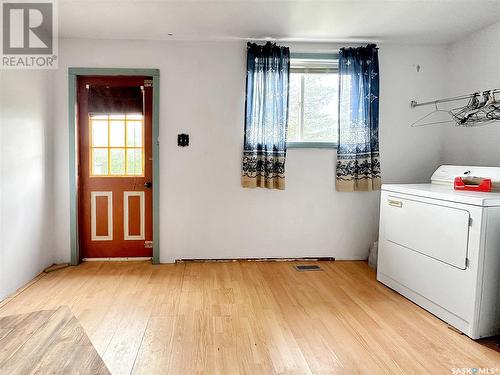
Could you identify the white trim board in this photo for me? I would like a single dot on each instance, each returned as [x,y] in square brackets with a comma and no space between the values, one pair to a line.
[141,235]
[93,217]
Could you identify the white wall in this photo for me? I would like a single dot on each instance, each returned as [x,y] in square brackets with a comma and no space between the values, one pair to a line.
[204,212]
[26,224]
[409,154]
[474,65]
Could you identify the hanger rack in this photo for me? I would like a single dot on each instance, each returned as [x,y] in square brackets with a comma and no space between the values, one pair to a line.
[414,103]
[482,108]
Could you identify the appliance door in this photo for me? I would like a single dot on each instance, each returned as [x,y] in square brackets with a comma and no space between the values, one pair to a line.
[436,231]
[423,247]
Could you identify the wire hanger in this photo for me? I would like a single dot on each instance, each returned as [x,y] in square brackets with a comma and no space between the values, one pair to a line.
[494,108]
[475,113]
[417,123]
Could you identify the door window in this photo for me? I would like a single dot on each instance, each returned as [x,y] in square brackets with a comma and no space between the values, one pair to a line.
[117,145]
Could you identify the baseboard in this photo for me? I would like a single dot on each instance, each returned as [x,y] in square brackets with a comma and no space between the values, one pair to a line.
[10,297]
[223,260]
[122,259]
[363,258]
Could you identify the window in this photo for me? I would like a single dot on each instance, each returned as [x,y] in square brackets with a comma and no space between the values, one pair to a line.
[117,145]
[313,101]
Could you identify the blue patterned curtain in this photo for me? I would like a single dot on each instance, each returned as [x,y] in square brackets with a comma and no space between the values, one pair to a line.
[358,159]
[268,69]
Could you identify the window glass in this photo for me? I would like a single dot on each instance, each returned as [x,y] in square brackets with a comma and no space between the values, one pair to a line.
[117,133]
[100,161]
[134,161]
[320,107]
[100,133]
[117,162]
[117,145]
[313,101]
[134,133]
[294,111]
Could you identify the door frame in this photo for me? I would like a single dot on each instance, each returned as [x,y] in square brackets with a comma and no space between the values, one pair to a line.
[73,73]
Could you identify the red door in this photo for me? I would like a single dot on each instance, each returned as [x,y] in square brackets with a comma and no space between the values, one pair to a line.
[115,166]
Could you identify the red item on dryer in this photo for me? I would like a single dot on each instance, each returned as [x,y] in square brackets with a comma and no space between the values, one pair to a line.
[472,184]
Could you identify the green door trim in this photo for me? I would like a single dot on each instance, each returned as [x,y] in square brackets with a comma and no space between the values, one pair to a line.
[73,73]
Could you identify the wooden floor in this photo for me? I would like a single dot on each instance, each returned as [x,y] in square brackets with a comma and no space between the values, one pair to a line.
[250,318]
[47,342]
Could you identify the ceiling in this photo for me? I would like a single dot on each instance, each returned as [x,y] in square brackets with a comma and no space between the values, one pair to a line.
[392,21]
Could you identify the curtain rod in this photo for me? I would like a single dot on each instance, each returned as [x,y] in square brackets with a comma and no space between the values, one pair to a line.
[414,103]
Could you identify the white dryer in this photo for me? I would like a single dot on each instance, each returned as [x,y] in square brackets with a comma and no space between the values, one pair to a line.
[440,248]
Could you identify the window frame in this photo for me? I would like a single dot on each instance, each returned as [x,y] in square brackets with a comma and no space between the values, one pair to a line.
[312,56]
[125,147]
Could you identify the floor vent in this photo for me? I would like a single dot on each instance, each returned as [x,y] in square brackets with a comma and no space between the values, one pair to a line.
[307,267]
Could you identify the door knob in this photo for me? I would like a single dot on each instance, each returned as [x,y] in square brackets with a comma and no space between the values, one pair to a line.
[148,185]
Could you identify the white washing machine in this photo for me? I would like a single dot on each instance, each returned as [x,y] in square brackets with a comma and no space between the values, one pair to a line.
[440,248]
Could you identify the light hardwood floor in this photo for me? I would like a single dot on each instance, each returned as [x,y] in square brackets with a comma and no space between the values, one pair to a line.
[250,318]
[47,342]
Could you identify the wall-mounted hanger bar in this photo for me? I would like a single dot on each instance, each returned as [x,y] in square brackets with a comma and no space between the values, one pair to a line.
[482,108]
[414,103]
